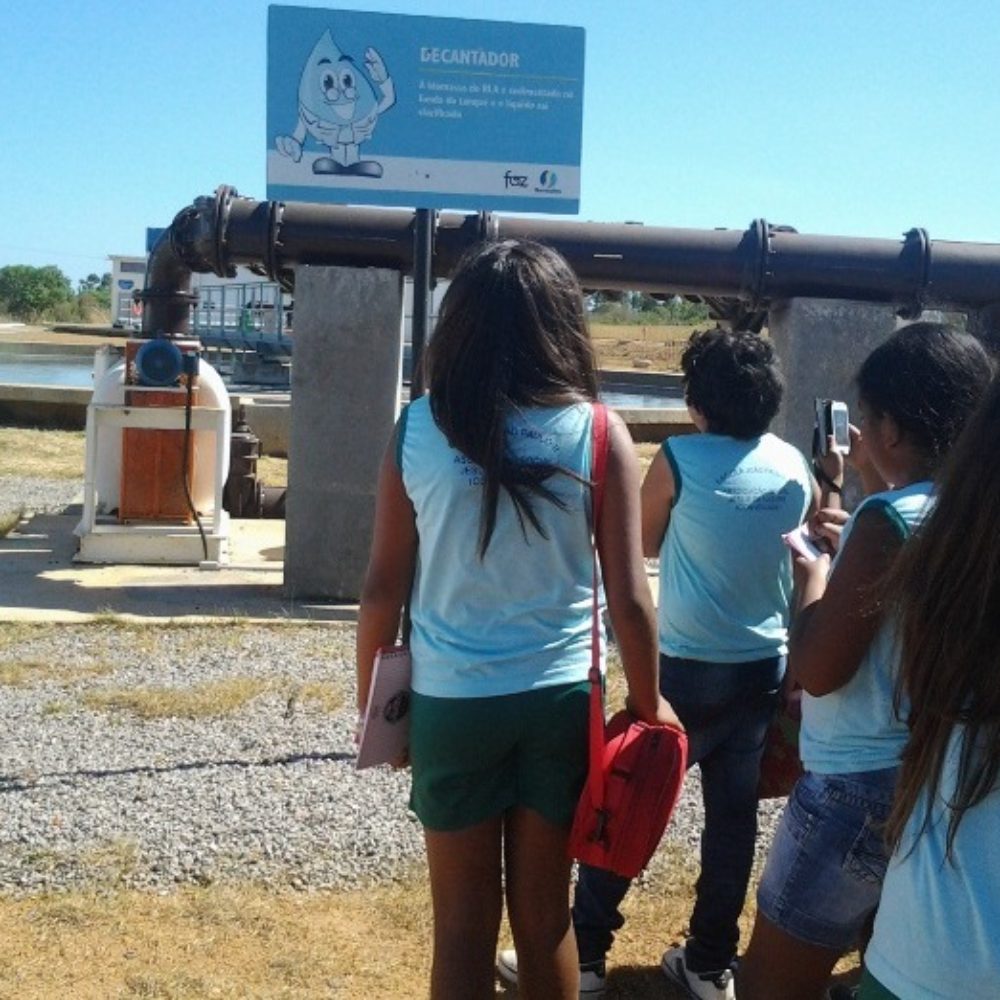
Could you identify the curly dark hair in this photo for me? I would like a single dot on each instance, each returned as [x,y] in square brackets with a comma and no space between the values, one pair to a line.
[928,377]
[733,380]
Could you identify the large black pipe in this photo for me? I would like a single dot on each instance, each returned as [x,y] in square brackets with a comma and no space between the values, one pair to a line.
[747,269]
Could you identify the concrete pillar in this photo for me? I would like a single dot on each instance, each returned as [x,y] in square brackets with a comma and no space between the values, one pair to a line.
[821,344]
[345,399]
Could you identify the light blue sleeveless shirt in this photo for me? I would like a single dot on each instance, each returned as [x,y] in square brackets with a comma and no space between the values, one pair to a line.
[725,573]
[855,727]
[520,618]
[937,932]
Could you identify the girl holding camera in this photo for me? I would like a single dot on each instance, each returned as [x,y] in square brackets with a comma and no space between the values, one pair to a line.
[936,929]
[824,872]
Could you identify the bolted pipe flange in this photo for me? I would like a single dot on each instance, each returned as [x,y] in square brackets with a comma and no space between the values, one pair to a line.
[916,255]
[272,260]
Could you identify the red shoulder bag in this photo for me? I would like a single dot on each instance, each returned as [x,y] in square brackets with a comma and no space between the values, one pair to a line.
[636,770]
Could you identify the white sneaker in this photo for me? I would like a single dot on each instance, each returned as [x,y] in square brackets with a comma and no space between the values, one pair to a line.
[699,985]
[592,976]
[507,966]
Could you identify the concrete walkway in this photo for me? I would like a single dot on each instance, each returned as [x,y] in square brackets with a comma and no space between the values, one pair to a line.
[39,582]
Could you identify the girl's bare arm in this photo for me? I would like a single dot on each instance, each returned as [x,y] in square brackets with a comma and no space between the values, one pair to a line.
[836,620]
[630,603]
[656,498]
[390,570]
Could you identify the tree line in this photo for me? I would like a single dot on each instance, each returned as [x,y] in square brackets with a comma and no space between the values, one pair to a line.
[45,293]
[642,309]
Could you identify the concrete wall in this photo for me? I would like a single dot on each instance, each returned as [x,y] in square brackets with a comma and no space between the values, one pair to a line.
[345,398]
[821,344]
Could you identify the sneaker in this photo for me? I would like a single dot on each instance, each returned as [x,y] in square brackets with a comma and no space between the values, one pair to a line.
[592,975]
[698,985]
[507,966]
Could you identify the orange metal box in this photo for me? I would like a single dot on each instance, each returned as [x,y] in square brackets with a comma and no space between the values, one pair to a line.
[153,470]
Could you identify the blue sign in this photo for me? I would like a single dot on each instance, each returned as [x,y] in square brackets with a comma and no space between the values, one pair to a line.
[152,235]
[432,112]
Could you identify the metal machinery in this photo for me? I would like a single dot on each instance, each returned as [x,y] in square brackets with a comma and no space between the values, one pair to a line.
[157,457]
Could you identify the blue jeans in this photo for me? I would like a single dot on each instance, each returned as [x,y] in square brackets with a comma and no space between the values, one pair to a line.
[726,709]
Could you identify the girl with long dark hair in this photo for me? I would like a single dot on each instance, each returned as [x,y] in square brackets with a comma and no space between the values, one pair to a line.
[937,933]
[482,525]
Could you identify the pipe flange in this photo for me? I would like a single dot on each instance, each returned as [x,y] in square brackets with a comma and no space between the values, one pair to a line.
[755,245]
[916,247]
[489,227]
[272,262]
[224,195]
[194,235]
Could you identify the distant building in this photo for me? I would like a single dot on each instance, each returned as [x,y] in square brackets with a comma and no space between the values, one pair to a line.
[128,276]
[239,303]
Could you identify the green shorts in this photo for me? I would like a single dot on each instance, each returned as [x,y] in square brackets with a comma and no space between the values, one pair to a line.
[475,758]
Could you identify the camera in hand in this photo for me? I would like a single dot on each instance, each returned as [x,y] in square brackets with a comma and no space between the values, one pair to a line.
[832,419]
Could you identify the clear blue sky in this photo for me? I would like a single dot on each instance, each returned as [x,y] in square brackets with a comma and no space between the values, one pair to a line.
[858,118]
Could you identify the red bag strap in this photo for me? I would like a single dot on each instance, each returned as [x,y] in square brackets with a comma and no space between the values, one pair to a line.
[598,471]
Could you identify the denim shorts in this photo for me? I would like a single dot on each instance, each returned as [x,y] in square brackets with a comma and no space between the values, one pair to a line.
[824,873]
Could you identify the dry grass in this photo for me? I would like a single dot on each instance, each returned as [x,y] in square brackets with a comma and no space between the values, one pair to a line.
[646,453]
[247,942]
[323,696]
[215,699]
[9,521]
[26,673]
[208,700]
[273,471]
[44,334]
[224,943]
[47,454]
[623,346]
[238,942]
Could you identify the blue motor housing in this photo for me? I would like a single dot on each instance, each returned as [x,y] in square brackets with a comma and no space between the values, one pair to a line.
[158,363]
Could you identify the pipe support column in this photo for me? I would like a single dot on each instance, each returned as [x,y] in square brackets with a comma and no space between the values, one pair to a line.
[345,400]
[821,344]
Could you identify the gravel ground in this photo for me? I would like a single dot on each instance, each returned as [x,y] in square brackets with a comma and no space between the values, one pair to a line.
[41,496]
[269,793]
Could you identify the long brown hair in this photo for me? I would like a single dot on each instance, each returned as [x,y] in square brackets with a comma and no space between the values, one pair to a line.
[512,332]
[945,590]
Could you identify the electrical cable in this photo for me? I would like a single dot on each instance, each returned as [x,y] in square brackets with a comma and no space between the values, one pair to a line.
[184,463]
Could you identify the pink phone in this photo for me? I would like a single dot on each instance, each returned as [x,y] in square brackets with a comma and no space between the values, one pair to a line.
[802,543]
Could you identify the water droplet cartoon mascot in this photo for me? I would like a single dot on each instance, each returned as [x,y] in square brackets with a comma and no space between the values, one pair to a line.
[339,106]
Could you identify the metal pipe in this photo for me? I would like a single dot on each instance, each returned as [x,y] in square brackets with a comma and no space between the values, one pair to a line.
[745,270]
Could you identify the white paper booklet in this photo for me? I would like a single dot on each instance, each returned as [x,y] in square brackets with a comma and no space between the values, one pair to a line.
[386,730]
